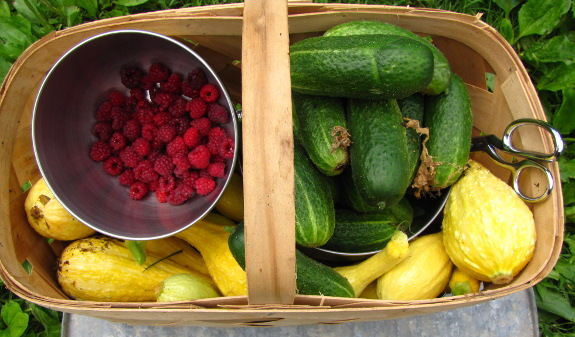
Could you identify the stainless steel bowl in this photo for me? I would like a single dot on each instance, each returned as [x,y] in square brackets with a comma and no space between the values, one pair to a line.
[64,115]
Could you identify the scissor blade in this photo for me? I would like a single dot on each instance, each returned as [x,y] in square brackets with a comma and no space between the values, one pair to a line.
[483,143]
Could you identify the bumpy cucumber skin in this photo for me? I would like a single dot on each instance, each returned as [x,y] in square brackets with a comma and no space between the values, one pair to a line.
[442,69]
[313,278]
[449,119]
[378,154]
[317,116]
[413,107]
[358,232]
[366,66]
[350,196]
[314,205]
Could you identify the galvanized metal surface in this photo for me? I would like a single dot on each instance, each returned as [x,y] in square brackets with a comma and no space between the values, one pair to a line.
[512,315]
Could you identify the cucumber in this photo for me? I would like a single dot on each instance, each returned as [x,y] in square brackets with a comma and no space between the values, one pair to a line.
[449,119]
[441,67]
[349,195]
[313,278]
[366,66]
[314,205]
[413,107]
[357,232]
[378,154]
[323,131]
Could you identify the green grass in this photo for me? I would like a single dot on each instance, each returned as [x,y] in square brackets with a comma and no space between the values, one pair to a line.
[541,31]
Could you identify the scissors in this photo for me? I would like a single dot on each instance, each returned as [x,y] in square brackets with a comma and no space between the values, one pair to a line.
[491,145]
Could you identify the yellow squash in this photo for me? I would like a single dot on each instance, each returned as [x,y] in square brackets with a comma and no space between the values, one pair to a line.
[49,218]
[103,269]
[422,275]
[361,274]
[231,203]
[210,237]
[462,284]
[489,232]
[181,253]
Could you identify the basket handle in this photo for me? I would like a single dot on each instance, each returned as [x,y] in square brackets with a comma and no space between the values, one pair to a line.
[267,142]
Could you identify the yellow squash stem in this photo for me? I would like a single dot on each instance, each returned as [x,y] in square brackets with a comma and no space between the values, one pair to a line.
[360,275]
[210,237]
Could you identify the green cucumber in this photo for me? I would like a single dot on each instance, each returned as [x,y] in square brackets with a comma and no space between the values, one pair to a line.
[312,277]
[378,154]
[314,205]
[366,66]
[350,196]
[357,232]
[323,131]
[412,108]
[441,67]
[449,119]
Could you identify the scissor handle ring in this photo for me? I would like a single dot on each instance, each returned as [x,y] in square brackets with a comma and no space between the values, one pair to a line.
[518,169]
[558,144]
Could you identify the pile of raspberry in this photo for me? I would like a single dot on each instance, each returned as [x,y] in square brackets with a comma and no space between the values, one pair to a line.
[165,136]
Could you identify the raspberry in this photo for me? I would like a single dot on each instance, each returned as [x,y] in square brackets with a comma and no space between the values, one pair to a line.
[163,165]
[165,133]
[113,166]
[144,112]
[172,85]
[147,82]
[163,99]
[132,129]
[180,194]
[130,157]
[196,107]
[203,125]
[118,141]
[204,185]
[142,146]
[161,196]
[191,178]
[226,149]
[104,112]
[153,185]
[177,147]
[178,109]
[130,77]
[138,190]
[217,170]
[137,94]
[162,118]
[209,93]
[166,183]
[191,137]
[215,137]
[119,119]
[149,130]
[144,171]
[199,157]
[100,150]
[116,98]
[157,144]
[154,154]
[127,178]
[158,72]
[193,83]
[182,163]
[218,114]
[216,158]
[181,124]
[103,131]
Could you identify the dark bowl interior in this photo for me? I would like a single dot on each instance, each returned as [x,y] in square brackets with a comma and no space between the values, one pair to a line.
[64,114]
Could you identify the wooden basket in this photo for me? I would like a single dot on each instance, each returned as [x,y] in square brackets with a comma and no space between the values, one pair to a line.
[473,48]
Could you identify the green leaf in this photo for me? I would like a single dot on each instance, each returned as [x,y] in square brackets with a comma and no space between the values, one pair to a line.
[556,49]
[138,250]
[564,117]
[90,6]
[560,77]
[507,5]
[130,3]
[15,319]
[541,16]
[567,168]
[554,302]
[15,35]
[569,192]
[49,318]
[4,9]
[506,29]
